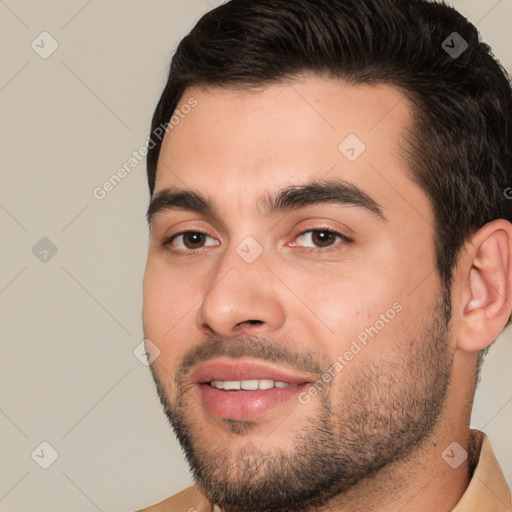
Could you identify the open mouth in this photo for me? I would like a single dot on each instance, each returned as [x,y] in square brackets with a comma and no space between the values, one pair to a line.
[249,385]
[244,389]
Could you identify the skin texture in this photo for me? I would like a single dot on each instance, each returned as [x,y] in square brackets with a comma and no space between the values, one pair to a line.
[373,438]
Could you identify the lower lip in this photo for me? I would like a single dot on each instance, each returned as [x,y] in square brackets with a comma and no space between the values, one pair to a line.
[246,405]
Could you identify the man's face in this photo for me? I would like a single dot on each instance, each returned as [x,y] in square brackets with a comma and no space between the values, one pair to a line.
[308,260]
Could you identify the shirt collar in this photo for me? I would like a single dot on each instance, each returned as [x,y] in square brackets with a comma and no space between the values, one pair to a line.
[487,491]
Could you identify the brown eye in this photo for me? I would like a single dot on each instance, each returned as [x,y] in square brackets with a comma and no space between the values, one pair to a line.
[323,238]
[193,240]
[190,240]
[319,238]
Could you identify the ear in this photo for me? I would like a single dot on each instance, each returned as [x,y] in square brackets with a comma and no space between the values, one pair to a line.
[482,301]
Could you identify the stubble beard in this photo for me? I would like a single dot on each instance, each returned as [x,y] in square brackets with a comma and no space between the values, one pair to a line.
[359,426]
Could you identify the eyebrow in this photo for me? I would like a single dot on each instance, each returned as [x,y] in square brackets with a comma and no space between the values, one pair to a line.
[285,200]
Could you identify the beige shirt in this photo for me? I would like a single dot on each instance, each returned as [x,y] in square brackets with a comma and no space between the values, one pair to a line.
[487,490]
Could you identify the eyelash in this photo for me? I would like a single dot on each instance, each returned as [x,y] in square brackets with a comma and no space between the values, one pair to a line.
[192,252]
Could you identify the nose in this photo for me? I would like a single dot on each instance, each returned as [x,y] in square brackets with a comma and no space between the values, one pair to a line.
[241,298]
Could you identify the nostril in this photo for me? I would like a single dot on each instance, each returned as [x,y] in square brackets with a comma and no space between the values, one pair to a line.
[251,322]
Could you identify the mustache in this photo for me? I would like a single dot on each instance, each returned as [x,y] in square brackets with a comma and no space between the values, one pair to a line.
[256,347]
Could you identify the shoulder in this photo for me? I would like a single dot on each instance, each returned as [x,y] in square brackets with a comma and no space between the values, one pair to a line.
[188,500]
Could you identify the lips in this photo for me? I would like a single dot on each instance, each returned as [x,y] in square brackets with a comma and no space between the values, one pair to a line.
[234,402]
[226,369]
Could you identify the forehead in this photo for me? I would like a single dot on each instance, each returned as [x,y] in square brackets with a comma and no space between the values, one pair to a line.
[242,144]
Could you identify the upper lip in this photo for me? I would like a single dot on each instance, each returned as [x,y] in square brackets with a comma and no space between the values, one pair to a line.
[228,369]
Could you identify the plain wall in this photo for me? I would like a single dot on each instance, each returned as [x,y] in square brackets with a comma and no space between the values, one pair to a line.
[68,375]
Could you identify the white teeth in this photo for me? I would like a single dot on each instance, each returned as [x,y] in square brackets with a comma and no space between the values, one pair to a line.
[232,384]
[265,384]
[248,385]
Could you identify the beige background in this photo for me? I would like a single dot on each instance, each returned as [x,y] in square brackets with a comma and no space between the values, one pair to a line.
[69,326]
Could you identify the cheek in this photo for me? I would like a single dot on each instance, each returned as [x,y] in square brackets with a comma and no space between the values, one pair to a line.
[349,301]
[167,298]
[368,302]
[172,295]
[358,320]
[163,317]
[155,306]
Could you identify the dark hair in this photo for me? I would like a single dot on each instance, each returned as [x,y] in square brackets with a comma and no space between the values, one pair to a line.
[459,148]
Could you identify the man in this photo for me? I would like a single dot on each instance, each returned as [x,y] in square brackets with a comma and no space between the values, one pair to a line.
[330,256]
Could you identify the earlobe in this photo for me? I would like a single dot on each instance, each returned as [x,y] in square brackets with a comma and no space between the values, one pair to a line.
[486,281]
